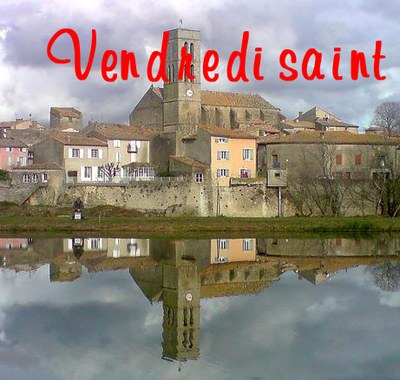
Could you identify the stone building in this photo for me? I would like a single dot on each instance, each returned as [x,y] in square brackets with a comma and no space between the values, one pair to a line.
[317,119]
[181,105]
[65,118]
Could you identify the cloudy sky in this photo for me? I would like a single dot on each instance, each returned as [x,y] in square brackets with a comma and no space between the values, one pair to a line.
[30,83]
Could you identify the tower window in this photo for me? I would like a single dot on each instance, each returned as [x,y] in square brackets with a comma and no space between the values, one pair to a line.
[192,51]
[192,72]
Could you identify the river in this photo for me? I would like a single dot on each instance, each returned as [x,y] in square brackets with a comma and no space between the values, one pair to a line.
[129,308]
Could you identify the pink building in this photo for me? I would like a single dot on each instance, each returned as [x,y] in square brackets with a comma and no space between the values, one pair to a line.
[12,153]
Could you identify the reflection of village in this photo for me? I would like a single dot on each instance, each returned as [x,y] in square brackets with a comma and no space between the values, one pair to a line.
[180,273]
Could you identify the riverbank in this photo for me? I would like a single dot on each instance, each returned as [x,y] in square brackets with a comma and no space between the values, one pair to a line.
[103,222]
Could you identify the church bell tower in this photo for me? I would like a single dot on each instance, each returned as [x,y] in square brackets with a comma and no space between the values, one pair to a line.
[182,98]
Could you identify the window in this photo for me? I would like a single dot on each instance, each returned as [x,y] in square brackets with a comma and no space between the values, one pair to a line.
[223,243]
[76,153]
[45,177]
[117,143]
[35,178]
[10,161]
[25,178]
[8,149]
[338,159]
[245,173]
[94,153]
[30,155]
[116,253]
[132,147]
[247,154]
[342,175]
[87,173]
[199,177]
[221,140]
[94,243]
[223,155]
[100,172]
[22,150]
[222,173]
[117,157]
[9,246]
[358,159]
[247,245]
[275,161]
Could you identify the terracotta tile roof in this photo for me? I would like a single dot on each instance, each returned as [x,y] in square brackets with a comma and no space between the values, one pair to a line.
[12,143]
[224,132]
[40,166]
[234,99]
[190,161]
[329,137]
[7,124]
[138,165]
[113,131]
[66,111]
[296,124]
[75,139]
[335,123]
[233,289]
[227,99]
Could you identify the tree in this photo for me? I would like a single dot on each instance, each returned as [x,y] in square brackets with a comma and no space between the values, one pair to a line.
[387,276]
[110,170]
[387,117]
[315,186]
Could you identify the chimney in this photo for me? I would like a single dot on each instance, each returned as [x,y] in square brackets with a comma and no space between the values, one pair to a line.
[300,113]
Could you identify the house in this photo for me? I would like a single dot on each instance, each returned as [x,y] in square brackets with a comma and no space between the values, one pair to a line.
[128,147]
[233,250]
[322,120]
[82,158]
[332,154]
[228,153]
[187,166]
[47,173]
[12,153]
[6,127]
[65,117]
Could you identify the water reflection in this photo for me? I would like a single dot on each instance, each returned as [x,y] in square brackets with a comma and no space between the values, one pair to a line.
[179,274]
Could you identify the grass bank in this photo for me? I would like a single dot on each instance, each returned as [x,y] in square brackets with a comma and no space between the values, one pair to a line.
[189,226]
[113,220]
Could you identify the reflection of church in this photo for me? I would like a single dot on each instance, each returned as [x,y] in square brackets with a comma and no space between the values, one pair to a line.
[180,280]
[181,273]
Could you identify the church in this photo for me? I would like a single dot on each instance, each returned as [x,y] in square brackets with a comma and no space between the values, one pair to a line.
[176,110]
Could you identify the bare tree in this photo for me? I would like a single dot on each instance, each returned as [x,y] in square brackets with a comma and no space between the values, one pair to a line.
[387,276]
[316,186]
[387,117]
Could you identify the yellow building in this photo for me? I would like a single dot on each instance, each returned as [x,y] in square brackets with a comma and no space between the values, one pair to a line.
[228,153]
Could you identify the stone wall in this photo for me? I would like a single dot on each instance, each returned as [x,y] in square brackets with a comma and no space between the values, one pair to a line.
[169,198]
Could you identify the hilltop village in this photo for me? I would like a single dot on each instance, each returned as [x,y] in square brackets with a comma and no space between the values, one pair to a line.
[192,151]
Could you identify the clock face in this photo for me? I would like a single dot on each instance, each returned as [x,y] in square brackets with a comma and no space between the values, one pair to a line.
[189,92]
